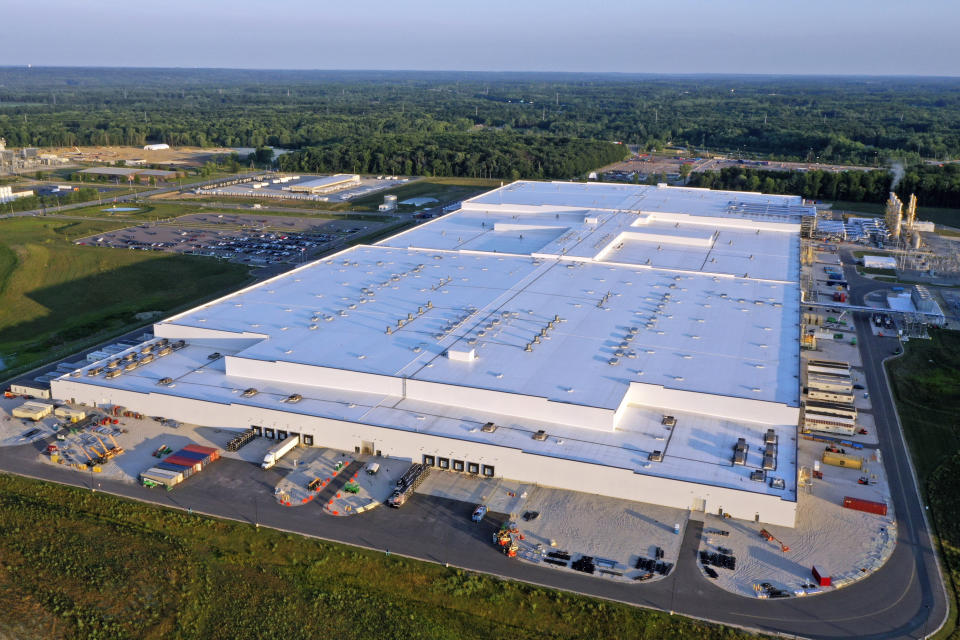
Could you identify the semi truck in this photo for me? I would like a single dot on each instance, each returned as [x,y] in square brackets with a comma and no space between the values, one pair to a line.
[275,453]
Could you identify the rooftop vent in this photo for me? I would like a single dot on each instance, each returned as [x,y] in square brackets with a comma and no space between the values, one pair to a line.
[213,356]
[668,421]
[540,435]
[294,398]
[655,456]
[249,393]
[488,427]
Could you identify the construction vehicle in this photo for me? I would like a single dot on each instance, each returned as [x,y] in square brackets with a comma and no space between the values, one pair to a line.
[118,450]
[769,537]
[507,539]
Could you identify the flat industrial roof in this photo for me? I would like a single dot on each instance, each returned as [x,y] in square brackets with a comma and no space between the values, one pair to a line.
[326,181]
[574,293]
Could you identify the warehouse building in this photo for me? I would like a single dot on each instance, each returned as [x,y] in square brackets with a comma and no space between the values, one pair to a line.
[327,184]
[632,341]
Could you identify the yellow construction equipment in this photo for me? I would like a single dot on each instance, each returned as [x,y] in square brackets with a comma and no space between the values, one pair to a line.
[118,450]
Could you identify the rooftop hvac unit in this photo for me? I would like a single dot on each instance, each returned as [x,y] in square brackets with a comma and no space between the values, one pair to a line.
[294,398]
[769,463]
[214,356]
[655,456]
[668,421]
[165,381]
[740,457]
[757,476]
[488,427]
[540,435]
[249,393]
[770,450]
[770,437]
[741,445]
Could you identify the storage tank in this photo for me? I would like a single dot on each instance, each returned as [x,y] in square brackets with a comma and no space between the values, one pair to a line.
[842,460]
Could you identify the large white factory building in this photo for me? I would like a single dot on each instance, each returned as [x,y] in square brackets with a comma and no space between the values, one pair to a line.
[633,341]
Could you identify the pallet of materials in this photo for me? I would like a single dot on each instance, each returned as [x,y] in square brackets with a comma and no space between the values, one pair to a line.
[179,466]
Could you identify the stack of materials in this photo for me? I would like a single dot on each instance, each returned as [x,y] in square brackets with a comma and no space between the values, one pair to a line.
[179,466]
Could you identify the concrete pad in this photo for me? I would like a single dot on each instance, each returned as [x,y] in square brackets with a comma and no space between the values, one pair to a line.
[578,523]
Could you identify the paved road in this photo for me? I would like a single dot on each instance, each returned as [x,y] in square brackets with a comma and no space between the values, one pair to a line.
[126,198]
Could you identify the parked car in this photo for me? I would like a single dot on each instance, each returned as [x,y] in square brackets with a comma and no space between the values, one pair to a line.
[858,386]
[479,512]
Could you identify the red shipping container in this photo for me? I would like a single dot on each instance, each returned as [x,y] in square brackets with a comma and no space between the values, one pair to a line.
[213,453]
[823,581]
[184,462]
[869,506]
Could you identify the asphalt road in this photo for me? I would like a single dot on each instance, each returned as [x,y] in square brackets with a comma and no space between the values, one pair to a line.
[112,199]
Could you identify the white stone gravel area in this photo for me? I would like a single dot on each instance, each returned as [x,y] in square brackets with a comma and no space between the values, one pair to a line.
[578,523]
[845,544]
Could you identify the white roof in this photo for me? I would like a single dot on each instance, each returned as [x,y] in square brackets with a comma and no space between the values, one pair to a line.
[325,181]
[696,295]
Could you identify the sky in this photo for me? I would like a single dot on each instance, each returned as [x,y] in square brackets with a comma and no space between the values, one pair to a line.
[836,37]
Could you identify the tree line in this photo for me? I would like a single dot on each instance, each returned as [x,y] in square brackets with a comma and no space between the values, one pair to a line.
[934,185]
[830,120]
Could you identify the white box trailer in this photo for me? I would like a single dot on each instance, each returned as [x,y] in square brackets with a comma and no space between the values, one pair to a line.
[275,453]
[73,415]
[829,383]
[27,389]
[31,410]
[813,421]
[830,396]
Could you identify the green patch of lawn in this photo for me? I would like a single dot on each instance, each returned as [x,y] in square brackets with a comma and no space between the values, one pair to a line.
[56,296]
[78,564]
[926,387]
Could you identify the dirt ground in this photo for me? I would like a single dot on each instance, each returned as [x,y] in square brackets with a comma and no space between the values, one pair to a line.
[187,156]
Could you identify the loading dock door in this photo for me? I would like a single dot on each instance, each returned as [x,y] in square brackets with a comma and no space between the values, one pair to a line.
[699,504]
[366,448]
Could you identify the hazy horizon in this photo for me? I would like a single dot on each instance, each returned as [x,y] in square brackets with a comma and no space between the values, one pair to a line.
[688,37]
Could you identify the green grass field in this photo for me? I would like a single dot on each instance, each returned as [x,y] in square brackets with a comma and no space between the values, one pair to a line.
[56,296]
[926,385]
[77,564]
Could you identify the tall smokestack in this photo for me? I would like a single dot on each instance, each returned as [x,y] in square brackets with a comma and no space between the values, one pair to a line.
[893,215]
[911,215]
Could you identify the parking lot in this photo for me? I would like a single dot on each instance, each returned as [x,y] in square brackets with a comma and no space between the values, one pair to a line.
[242,238]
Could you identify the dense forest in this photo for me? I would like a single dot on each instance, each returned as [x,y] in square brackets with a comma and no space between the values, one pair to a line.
[934,186]
[482,124]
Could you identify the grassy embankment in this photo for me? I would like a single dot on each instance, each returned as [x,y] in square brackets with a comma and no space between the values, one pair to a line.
[926,384]
[79,564]
[56,297]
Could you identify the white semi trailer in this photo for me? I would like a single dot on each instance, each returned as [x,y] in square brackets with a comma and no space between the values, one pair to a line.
[275,453]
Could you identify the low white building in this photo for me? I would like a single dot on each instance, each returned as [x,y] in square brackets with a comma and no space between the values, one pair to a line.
[879,262]
[614,339]
[156,147]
